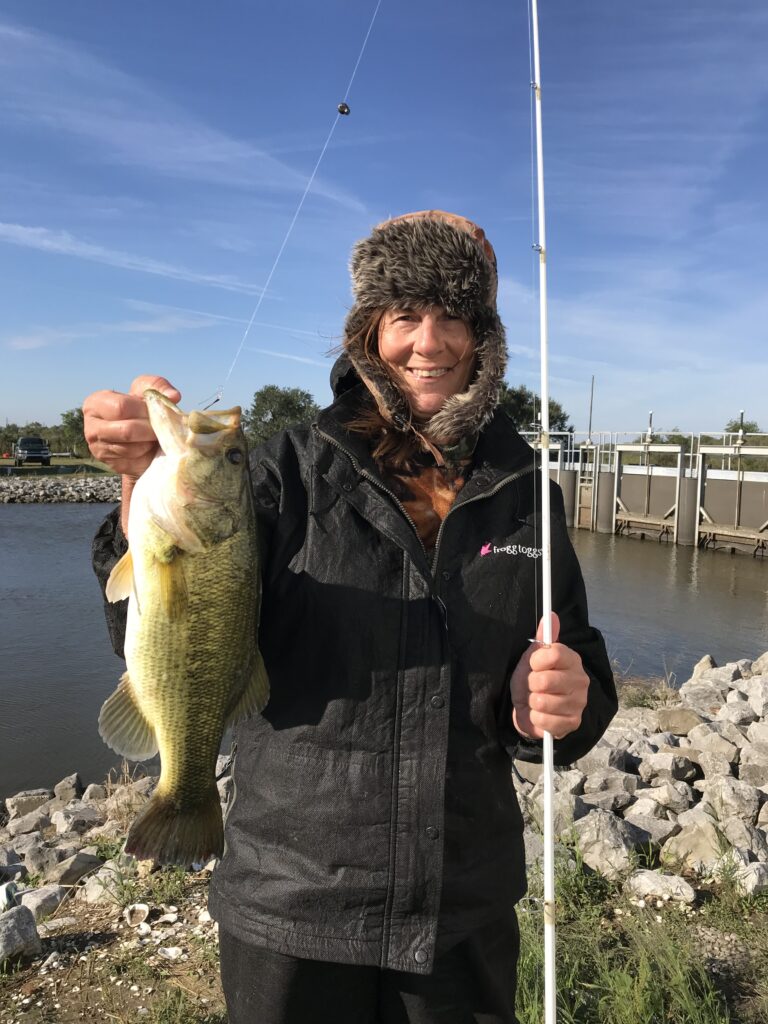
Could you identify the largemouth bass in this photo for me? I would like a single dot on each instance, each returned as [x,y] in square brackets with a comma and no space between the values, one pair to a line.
[191,576]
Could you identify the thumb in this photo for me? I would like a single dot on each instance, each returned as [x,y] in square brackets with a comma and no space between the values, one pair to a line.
[146,381]
[555,629]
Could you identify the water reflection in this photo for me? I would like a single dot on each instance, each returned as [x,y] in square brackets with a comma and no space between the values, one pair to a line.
[662,607]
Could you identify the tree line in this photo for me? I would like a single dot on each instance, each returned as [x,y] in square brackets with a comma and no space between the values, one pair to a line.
[272,409]
[66,436]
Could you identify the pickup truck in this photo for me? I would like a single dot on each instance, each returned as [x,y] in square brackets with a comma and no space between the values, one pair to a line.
[31,449]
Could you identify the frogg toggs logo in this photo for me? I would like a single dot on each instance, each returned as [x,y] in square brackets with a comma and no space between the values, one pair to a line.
[509,549]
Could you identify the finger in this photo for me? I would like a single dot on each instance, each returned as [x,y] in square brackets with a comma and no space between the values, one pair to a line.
[122,432]
[555,682]
[557,657]
[114,405]
[146,381]
[558,725]
[555,620]
[556,704]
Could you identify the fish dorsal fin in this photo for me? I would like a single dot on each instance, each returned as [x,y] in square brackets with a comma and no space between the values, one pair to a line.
[120,582]
[122,724]
[256,693]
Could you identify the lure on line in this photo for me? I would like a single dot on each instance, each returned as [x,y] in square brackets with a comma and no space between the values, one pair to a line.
[343,108]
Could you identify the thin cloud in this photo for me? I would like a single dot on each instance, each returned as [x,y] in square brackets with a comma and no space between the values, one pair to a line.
[155,306]
[286,355]
[50,336]
[46,81]
[65,244]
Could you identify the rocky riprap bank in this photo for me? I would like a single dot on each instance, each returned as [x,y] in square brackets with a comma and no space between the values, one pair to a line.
[57,489]
[683,785]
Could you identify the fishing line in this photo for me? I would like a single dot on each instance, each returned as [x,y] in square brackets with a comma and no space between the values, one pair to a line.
[341,111]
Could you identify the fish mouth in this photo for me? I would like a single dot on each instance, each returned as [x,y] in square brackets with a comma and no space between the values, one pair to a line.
[177,431]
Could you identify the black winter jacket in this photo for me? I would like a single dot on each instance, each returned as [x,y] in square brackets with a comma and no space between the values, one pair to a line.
[374,815]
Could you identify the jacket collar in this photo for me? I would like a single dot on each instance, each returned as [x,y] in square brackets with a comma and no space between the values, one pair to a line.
[500,450]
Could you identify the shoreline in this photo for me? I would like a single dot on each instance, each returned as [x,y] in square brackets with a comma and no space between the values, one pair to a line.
[59,490]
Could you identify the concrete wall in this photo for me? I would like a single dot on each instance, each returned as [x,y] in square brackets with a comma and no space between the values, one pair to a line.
[662,493]
[720,502]
[568,486]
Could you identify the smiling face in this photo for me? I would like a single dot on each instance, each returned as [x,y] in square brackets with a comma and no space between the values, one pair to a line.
[431,354]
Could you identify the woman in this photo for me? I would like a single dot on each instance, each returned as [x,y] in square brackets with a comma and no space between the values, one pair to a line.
[374,847]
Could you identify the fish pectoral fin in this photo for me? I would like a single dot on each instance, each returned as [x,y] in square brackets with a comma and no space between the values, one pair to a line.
[122,724]
[173,587]
[120,582]
[256,693]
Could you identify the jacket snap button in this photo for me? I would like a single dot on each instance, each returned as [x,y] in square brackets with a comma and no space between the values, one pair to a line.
[437,701]
[432,832]
[346,487]
[420,956]
[446,576]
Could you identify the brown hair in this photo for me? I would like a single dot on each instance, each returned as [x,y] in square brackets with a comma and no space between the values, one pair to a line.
[392,448]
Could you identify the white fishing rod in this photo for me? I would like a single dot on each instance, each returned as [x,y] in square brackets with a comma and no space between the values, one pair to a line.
[550,976]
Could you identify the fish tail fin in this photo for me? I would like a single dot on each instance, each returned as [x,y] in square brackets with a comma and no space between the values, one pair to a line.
[170,834]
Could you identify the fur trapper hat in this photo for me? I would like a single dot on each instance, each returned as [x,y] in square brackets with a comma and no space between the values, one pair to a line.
[417,261]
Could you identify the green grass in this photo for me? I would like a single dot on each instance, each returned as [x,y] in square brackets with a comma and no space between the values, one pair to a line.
[628,970]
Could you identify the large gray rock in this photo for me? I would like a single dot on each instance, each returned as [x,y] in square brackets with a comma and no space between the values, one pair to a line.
[678,720]
[94,794]
[760,667]
[667,767]
[654,885]
[756,690]
[740,715]
[77,818]
[730,798]
[713,765]
[29,840]
[71,870]
[26,801]
[13,872]
[645,807]
[752,879]
[748,837]
[757,733]
[70,788]
[18,934]
[607,843]
[659,830]
[638,720]
[44,901]
[695,847]
[34,821]
[8,855]
[608,779]
[602,755]
[566,808]
[673,796]
[703,665]
[614,800]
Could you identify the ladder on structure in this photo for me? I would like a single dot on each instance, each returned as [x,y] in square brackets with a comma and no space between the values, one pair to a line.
[585,513]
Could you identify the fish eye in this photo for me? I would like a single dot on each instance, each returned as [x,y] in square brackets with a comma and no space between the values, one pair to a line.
[235,456]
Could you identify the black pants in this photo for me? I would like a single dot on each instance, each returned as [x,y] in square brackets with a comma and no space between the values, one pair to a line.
[472,983]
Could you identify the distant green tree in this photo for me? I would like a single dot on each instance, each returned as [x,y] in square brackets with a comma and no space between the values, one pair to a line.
[750,427]
[275,408]
[522,405]
[71,431]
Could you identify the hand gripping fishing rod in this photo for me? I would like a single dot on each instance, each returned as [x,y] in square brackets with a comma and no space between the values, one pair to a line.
[550,980]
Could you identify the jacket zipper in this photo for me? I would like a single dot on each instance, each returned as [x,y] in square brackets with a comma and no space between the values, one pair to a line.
[377,483]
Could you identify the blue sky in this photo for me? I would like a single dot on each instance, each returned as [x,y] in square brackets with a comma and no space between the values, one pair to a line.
[152,157]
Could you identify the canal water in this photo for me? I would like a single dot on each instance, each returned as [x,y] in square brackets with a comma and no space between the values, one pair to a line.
[660,608]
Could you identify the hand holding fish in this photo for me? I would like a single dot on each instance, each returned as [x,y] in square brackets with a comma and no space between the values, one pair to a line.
[549,688]
[119,433]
